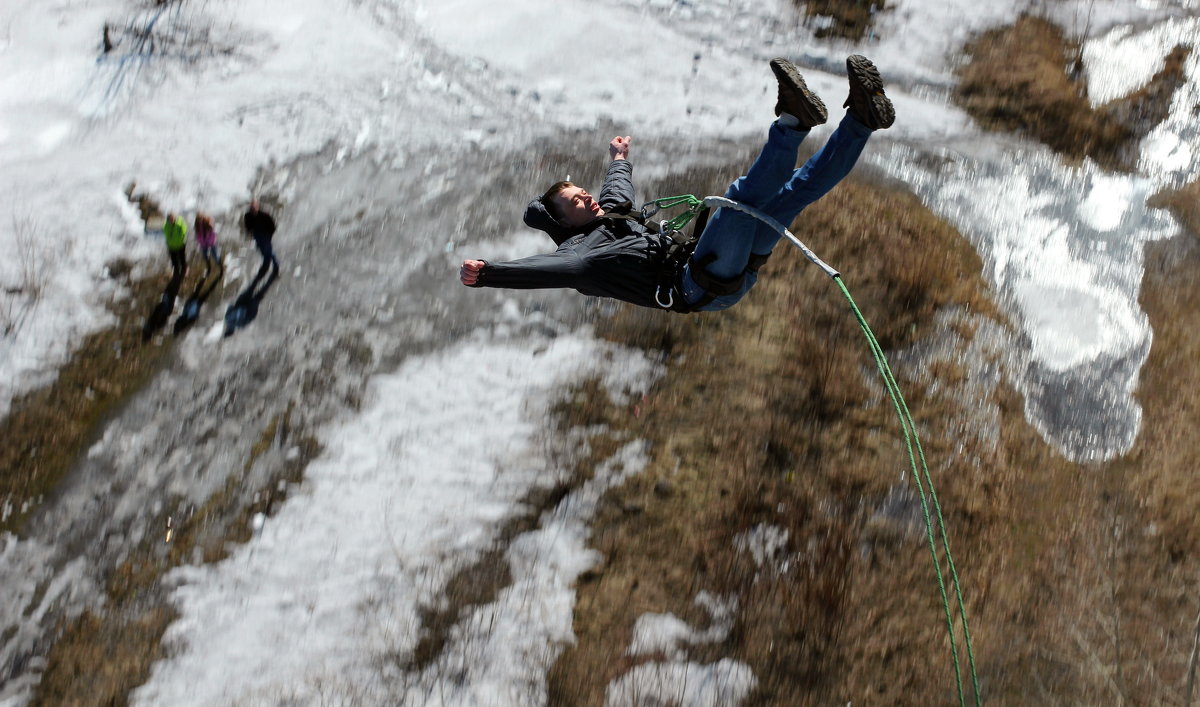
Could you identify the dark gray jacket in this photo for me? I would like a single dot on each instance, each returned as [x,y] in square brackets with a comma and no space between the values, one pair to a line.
[610,257]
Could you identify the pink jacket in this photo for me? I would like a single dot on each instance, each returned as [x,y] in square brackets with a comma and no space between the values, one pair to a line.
[206,235]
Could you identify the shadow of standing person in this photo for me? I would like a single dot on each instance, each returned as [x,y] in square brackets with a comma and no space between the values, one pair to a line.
[260,226]
[162,311]
[245,308]
[200,294]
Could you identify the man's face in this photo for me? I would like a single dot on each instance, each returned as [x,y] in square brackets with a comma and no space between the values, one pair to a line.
[576,207]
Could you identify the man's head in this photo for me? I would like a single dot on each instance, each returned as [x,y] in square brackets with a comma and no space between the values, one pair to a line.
[254,204]
[571,205]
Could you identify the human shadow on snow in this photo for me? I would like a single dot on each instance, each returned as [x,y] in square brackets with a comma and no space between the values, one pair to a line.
[191,308]
[245,308]
[162,311]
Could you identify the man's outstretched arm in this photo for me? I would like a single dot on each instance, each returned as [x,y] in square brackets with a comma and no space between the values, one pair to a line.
[558,269]
[618,182]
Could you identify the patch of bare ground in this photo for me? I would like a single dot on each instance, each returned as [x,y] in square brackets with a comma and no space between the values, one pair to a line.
[101,656]
[1027,78]
[1156,558]
[1122,596]
[767,417]
[1080,582]
[843,19]
[46,430]
[1184,203]
[480,582]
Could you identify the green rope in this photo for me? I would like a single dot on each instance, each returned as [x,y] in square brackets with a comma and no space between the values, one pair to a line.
[907,426]
[677,223]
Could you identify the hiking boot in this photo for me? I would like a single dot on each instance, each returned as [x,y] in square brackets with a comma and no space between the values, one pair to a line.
[795,98]
[866,100]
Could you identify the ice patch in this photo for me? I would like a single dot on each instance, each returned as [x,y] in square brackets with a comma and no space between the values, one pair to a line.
[1120,62]
[766,544]
[667,634]
[1123,60]
[1064,244]
[721,684]
[1107,202]
[1168,151]
[677,680]
[1071,327]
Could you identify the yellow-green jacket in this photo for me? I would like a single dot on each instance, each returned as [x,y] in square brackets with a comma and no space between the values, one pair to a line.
[175,232]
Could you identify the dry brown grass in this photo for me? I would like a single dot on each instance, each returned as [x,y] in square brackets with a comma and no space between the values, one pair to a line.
[1184,203]
[1134,610]
[847,19]
[1162,589]
[768,419]
[1026,78]
[98,669]
[1081,582]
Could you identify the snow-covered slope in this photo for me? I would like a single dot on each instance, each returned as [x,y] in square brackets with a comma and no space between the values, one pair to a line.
[387,128]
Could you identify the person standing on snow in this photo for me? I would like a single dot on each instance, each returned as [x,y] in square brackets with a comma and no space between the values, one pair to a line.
[604,253]
[261,227]
[206,241]
[175,233]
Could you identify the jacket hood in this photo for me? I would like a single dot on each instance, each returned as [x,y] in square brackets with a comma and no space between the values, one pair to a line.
[536,216]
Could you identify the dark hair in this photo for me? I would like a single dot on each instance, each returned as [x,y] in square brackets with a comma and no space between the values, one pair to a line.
[548,199]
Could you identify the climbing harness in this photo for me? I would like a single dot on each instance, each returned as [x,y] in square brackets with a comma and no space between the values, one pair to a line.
[679,254]
[679,248]
[907,426]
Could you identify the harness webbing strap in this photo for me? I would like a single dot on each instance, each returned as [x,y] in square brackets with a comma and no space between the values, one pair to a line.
[719,286]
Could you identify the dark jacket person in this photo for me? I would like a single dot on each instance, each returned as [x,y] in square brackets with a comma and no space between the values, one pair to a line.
[261,227]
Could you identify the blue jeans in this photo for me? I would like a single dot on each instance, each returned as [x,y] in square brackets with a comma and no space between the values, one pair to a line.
[268,256]
[775,187]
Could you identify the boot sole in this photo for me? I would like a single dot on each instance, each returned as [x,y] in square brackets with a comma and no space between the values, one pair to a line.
[863,73]
[814,111]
